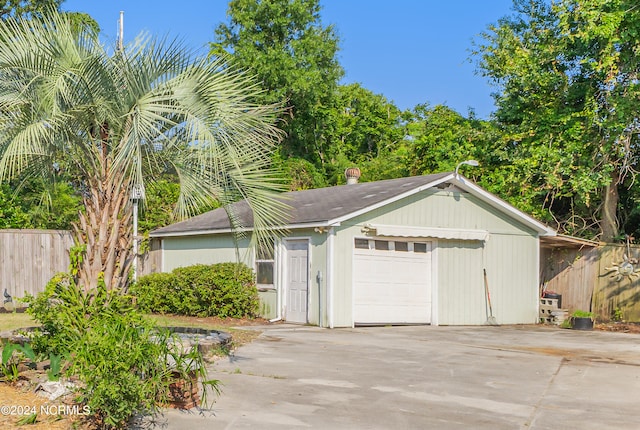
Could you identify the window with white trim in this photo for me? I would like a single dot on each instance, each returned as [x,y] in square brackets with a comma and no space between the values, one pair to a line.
[390,245]
[362,243]
[402,246]
[420,247]
[265,265]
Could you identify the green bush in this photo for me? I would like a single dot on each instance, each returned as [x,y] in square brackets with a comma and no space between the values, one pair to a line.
[224,290]
[155,291]
[62,310]
[124,362]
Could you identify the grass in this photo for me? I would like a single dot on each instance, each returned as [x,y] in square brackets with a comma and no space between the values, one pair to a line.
[182,321]
[13,320]
[239,336]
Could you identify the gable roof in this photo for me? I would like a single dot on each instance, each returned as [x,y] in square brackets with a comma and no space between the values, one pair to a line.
[333,205]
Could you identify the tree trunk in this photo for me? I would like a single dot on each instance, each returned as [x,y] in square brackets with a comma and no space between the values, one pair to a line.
[105,228]
[608,218]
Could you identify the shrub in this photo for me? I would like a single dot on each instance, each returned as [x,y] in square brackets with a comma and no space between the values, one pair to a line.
[155,291]
[62,311]
[582,314]
[224,290]
[124,362]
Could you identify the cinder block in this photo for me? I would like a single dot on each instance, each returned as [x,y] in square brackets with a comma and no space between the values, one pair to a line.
[549,302]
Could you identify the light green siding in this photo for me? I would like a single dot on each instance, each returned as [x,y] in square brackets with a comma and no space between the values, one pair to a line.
[206,249]
[343,275]
[442,209]
[268,304]
[512,278]
[318,287]
[461,297]
[510,256]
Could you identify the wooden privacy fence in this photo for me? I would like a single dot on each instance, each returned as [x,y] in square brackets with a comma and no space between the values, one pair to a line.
[29,258]
[151,260]
[595,279]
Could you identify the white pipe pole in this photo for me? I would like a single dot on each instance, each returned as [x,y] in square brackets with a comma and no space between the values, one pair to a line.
[120,43]
[135,239]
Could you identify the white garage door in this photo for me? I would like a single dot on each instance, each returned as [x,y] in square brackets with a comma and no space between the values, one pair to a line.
[392,282]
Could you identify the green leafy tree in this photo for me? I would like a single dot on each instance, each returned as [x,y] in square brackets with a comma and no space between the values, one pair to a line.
[40,204]
[285,45]
[439,138]
[567,79]
[301,174]
[36,8]
[11,213]
[160,204]
[27,8]
[364,127]
[114,121]
[160,207]
[51,205]
[366,124]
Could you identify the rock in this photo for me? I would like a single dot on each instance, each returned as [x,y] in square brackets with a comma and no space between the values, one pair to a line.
[54,389]
[43,365]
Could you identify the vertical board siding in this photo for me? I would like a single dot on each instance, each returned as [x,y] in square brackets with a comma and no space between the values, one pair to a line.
[572,273]
[204,249]
[613,292]
[151,261]
[587,279]
[446,209]
[343,276]
[211,249]
[512,272]
[511,276]
[317,288]
[460,286]
[29,258]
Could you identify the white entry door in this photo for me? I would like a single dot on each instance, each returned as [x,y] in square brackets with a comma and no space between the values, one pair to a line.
[297,281]
[392,282]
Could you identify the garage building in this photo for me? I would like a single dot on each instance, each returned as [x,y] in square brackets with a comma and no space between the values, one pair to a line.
[401,251]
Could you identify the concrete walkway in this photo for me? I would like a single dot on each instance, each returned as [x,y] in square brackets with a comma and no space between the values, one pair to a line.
[528,377]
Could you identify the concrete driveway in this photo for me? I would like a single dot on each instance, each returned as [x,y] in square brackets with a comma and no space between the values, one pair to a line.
[509,377]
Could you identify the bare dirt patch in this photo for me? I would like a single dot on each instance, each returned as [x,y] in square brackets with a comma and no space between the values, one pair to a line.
[622,327]
[17,402]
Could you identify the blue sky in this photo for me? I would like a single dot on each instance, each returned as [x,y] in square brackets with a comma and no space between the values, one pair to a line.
[411,51]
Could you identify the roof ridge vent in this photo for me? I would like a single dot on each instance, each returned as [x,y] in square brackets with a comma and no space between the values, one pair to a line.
[352,174]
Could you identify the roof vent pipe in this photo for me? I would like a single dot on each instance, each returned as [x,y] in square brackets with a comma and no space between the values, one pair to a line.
[352,174]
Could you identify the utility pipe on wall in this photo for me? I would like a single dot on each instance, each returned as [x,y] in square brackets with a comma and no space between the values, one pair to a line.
[319,280]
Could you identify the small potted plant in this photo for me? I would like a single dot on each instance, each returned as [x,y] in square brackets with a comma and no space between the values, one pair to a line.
[582,320]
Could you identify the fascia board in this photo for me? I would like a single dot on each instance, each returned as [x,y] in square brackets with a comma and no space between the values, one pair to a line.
[243,230]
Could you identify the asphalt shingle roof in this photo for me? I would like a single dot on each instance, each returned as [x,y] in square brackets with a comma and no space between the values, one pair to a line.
[310,206]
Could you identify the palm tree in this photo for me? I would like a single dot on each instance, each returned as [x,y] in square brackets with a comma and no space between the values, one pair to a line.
[114,121]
